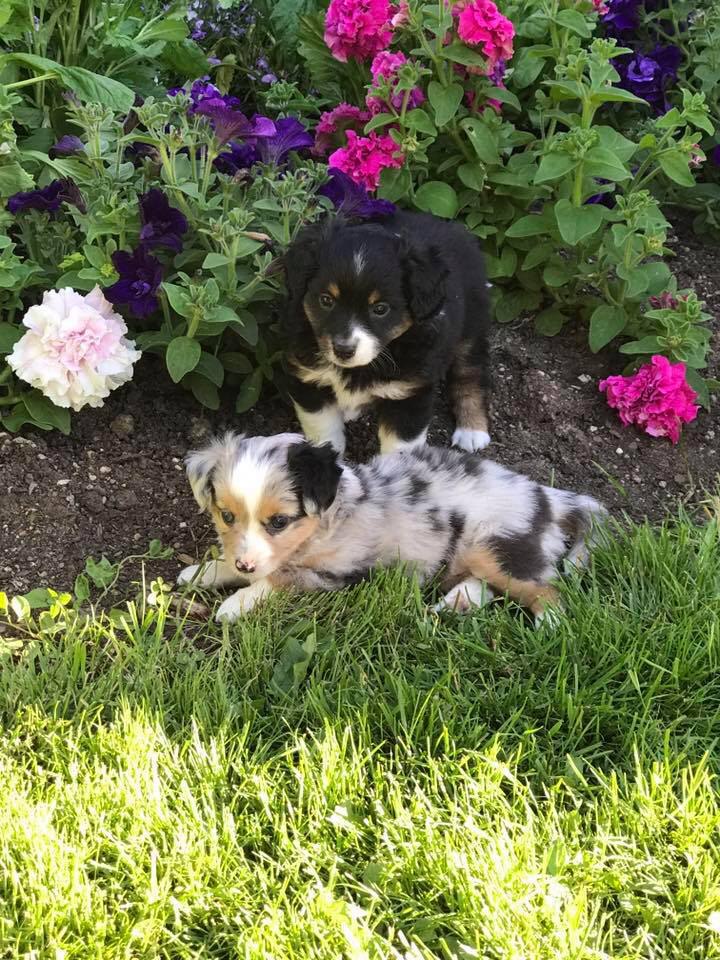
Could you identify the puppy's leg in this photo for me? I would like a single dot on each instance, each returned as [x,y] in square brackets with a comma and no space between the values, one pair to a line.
[404,423]
[242,601]
[214,573]
[469,384]
[465,595]
[320,417]
[537,596]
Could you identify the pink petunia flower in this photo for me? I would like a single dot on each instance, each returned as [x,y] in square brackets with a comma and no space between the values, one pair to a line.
[330,131]
[480,24]
[402,16]
[385,67]
[601,7]
[358,29]
[657,398]
[364,158]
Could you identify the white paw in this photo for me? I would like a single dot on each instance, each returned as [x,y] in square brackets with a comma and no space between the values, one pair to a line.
[467,594]
[188,574]
[470,440]
[550,616]
[242,601]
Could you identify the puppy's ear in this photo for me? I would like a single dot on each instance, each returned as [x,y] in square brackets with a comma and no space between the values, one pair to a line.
[425,273]
[202,464]
[315,474]
[301,259]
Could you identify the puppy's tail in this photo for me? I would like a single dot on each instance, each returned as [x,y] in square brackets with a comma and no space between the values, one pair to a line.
[580,518]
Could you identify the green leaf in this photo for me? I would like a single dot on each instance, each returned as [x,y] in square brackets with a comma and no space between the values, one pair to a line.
[9,336]
[645,345]
[44,411]
[550,322]
[13,179]
[211,368]
[84,84]
[394,184]
[616,143]
[616,95]
[292,666]
[438,198]
[235,362]
[530,226]
[38,599]
[557,275]
[459,53]
[675,166]
[215,260]
[514,302]
[606,323]
[600,162]
[700,386]
[577,223]
[178,299]
[502,266]
[444,101]
[205,392]
[419,120]
[504,95]
[102,572]
[472,176]
[659,275]
[183,355]
[553,166]
[537,255]
[166,29]
[575,21]
[81,588]
[249,392]
[379,120]
[526,69]
[482,139]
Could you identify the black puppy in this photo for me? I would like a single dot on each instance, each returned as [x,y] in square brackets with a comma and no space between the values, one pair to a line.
[380,312]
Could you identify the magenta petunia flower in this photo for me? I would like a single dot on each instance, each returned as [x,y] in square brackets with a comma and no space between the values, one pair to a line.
[657,398]
[358,29]
[364,158]
[385,67]
[332,125]
[480,24]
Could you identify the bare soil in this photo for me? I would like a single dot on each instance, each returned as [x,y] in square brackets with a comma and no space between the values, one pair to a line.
[118,482]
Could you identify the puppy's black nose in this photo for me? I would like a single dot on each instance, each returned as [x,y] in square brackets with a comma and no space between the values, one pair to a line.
[245,567]
[343,349]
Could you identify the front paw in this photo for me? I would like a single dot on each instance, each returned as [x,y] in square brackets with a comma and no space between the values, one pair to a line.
[470,440]
[242,602]
[188,574]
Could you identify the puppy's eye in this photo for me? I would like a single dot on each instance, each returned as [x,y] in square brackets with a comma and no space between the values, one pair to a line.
[380,309]
[228,518]
[278,522]
[326,301]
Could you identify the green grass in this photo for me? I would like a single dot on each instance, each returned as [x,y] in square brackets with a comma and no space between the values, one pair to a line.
[348,776]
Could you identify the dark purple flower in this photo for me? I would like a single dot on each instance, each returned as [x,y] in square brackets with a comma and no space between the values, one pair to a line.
[497,73]
[715,155]
[606,198]
[289,135]
[240,156]
[48,199]
[649,75]
[229,124]
[351,199]
[140,278]
[66,146]
[163,225]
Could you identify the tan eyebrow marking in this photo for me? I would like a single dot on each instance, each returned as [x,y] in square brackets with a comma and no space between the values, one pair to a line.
[334,289]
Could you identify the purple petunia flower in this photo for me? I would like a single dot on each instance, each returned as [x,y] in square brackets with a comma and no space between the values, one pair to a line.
[351,199]
[163,225]
[48,199]
[289,135]
[622,17]
[715,155]
[229,123]
[140,278]
[649,75]
[66,146]
[240,156]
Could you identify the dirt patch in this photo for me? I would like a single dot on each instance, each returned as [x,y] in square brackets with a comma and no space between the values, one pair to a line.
[117,482]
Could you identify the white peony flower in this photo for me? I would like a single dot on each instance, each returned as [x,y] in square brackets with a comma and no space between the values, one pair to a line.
[74,350]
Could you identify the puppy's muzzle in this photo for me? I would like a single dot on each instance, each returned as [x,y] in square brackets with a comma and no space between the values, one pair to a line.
[245,566]
[344,349]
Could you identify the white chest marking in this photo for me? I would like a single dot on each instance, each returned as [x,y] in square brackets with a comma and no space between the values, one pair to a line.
[329,376]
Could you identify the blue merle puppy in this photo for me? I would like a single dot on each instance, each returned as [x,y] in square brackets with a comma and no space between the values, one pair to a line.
[290,515]
[378,314]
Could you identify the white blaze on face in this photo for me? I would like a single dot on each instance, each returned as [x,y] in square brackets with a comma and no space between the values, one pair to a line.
[367,348]
[249,483]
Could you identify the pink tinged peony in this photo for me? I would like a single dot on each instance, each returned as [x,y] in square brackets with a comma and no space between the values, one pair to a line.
[657,398]
[364,158]
[358,29]
[332,125]
[480,24]
[74,351]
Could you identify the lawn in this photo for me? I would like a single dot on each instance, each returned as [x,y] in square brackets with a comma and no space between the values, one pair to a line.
[348,776]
